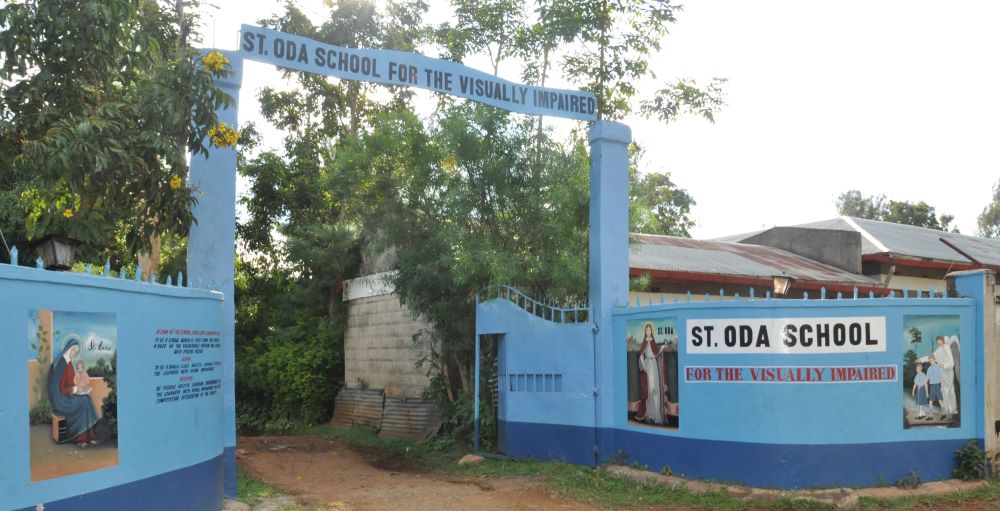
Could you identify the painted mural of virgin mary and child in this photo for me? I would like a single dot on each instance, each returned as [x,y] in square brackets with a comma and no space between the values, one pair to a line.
[71,398]
[653,374]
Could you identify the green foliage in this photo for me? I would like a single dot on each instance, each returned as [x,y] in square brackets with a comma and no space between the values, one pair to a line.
[101,369]
[483,26]
[301,240]
[909,369]
[642,283]
[40,386]
[41,413]
[96,109]
[658,206]
[989,220]
[971,463]
[612,42]
[471,200]
[109,407]
[250,490]
[920,214]
[289,354]
[909,481]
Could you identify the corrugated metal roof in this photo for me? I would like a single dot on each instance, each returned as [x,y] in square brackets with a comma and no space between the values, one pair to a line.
[907,241]
[917,242]
[669,253]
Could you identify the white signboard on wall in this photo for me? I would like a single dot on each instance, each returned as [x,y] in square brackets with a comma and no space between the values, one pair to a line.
[793,336]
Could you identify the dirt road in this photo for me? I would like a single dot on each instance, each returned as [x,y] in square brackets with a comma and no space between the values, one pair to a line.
[334,477]
[331,475]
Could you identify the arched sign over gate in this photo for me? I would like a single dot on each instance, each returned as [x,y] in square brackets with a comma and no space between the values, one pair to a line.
[404,69]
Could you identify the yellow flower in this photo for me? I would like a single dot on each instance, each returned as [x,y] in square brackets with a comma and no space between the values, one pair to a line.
[175,182]
[214,61]
[449,164]
[223,136]
[68,213]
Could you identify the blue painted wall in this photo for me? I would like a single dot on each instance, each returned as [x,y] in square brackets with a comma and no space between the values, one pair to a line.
[169,454]
[782,435]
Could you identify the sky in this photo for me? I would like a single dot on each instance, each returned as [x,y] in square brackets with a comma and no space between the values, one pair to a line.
[887,97]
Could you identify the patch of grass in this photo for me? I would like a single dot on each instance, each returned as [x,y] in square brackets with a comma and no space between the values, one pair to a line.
[598,487]
[985,497]
[396,453]
[250,490]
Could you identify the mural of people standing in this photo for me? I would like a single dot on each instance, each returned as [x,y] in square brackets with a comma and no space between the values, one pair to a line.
[931,358]
[652,373]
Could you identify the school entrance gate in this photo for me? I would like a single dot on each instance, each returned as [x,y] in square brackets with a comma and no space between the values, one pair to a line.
[166,352]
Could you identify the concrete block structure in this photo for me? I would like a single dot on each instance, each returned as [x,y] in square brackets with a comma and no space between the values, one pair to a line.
[379,351]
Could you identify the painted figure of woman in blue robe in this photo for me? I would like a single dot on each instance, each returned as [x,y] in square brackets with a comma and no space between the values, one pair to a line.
[72,402]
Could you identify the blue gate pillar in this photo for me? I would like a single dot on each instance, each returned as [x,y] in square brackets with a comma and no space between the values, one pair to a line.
[608,277]
[212,248]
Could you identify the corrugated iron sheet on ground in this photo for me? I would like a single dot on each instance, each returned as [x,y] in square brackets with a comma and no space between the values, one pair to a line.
[415,419]
[358,407]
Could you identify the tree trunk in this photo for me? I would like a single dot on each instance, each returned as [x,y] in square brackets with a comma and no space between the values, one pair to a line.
[447,379]
[463,376]
[150,261]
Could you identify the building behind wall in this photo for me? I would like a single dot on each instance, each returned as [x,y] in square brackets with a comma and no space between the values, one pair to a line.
[839,254]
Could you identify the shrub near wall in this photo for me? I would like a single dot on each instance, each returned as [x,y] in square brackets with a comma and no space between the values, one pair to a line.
[289,376]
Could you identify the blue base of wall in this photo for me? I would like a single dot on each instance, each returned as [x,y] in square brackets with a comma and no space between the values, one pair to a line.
[195,488]
[759,465]
[229,464]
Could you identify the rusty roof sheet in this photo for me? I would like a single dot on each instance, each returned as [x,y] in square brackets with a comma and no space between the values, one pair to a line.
[669,253]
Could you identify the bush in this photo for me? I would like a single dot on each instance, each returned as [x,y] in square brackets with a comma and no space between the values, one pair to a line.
[41,413]
[109,407]
[972,463]
[289,377]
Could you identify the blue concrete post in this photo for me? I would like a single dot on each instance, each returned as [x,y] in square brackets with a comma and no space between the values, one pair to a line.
[608,281]
[212,248]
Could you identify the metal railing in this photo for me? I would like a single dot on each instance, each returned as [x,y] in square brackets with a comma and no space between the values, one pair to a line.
[547,311]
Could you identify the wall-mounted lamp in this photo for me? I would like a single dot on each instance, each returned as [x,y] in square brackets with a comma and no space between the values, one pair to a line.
[782,283]
[56,252]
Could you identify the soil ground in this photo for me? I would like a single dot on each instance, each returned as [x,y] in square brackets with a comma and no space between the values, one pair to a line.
[331,474]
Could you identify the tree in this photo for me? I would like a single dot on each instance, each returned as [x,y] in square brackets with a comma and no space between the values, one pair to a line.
[463,205]
[301,241]
[612,41]
[877,207]
[989,220]
[100,103]
[658,206]
[483,26]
